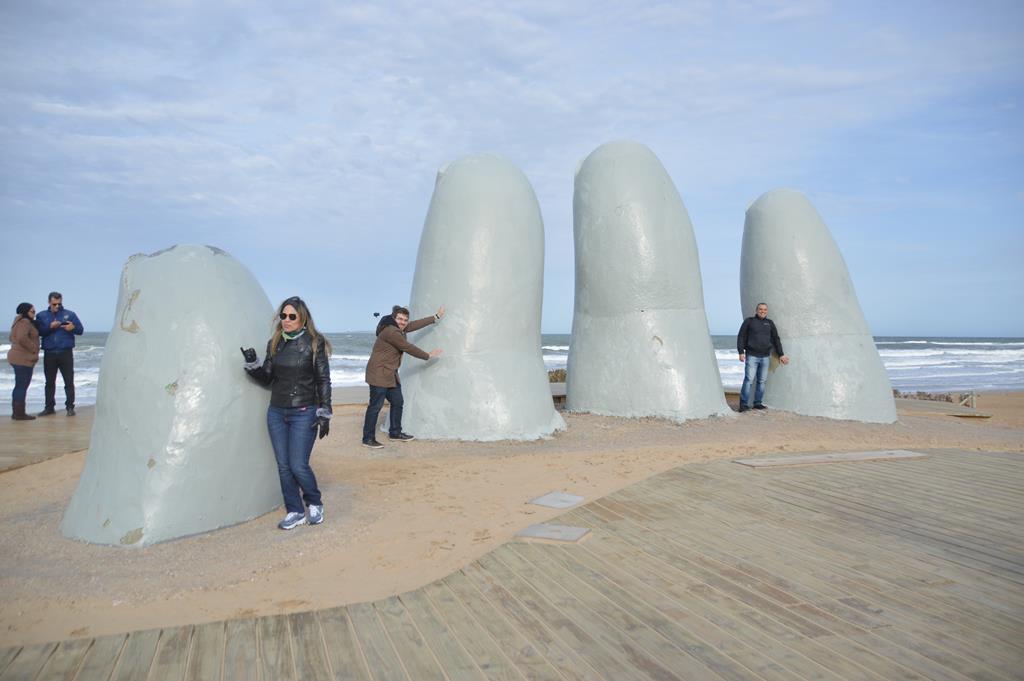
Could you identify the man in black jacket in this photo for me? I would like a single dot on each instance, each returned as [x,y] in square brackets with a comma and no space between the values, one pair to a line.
[755,341]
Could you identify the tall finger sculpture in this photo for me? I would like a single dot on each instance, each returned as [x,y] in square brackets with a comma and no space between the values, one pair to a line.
[482,256]
[640,340]
[179,443]
[791,262]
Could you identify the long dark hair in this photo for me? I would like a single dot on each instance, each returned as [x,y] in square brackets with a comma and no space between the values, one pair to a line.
[307,323]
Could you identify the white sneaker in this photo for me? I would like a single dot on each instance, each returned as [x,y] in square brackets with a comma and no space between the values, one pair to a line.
[292,520]
[316,514]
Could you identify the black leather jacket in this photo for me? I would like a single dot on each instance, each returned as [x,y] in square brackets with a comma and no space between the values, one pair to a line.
[294,379]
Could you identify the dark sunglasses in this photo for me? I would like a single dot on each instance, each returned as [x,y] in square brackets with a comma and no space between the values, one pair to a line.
[288,315]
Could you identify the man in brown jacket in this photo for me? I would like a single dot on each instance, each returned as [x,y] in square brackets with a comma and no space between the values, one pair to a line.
[382,371]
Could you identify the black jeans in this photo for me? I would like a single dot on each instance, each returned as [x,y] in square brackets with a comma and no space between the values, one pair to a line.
[377,395]
[65,361]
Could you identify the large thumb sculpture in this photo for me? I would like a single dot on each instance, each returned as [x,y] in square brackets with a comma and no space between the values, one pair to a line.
[640,340]
[791,262]
[482,256]
[179,445]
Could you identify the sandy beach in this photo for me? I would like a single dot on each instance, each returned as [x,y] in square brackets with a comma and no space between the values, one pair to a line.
[396,518]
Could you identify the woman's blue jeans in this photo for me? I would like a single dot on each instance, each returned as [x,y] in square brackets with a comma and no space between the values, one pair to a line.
[292,435]
[22,377]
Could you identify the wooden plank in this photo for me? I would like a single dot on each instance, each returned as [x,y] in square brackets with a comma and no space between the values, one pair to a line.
[962,653]
[241,652]
[171,654]
[962,551]
[412,649]
[29,661]
[885,658]
[922,521]
[669,607]
[452,657]
[381,658]
[65,661]
[275,648]
[648,627]
[810,661]
[6,655]
[930,660]
[560,655]
[662,548]
[101,658]
[206,655]
[965,486]
[836,556]
[602,625]
[831,457]
[724,552]
[821,592]
[495,647]
[603,652]
[776,546]
[343,653]
[137,655]
[308,644]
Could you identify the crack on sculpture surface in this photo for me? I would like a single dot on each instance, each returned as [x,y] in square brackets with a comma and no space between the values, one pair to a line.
[159,468]
[490,383]
[791,262]
[133,327]
[640,343]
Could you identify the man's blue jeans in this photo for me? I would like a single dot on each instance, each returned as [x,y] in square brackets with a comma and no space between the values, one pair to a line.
[395,399]
[292,435]
[756,369]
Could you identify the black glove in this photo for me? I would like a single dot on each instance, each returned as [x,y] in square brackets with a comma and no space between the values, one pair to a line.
[325,426]
[249,354]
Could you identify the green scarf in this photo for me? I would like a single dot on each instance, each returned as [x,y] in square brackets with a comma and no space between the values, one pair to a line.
[292,336]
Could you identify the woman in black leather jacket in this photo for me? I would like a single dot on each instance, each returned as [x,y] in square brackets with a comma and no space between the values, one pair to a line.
[297,370]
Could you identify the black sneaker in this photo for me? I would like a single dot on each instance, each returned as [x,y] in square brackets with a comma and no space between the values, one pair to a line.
[401,437]
[71,411]
[49,411]
[760,406]
[744,408]
[372,444]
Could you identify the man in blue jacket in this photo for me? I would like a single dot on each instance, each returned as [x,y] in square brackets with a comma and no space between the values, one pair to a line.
[755,342]
[58,327]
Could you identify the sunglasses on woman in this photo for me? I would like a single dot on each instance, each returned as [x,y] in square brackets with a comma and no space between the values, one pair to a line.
[288,315]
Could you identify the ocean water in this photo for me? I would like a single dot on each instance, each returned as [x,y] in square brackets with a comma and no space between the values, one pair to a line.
[913,363]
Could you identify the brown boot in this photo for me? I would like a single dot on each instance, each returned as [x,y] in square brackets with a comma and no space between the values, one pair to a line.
[19,412]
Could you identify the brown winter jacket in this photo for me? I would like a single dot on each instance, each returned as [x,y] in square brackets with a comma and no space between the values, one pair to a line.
[24,350]
[382,369]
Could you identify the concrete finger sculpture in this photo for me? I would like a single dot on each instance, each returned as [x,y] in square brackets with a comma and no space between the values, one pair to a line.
[179,443]
[640,340]
[482,256]
[791,262]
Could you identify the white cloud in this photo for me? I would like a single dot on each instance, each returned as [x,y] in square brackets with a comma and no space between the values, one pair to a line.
[335,116]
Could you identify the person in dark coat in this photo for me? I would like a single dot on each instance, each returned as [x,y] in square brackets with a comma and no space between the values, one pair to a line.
[297,369]
[382,371]
[23,356]
[58,327]
[755,342]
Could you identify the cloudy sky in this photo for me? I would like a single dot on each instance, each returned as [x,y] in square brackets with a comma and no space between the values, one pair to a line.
[304,137]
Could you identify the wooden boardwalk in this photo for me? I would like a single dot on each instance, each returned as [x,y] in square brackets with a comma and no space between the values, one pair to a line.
[875,570]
